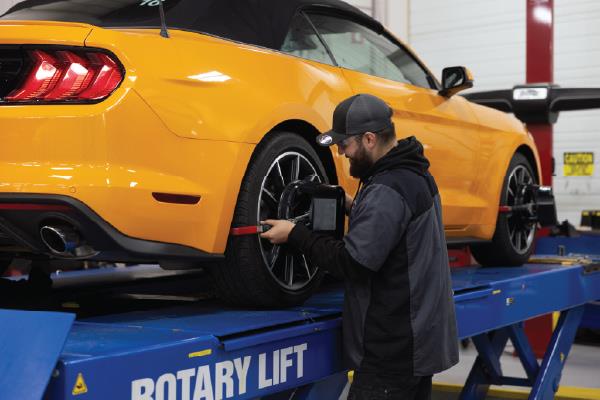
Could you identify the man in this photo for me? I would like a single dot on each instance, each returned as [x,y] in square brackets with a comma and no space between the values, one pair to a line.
[399,325]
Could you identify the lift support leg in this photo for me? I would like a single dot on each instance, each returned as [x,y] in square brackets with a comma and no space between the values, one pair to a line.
[543,379]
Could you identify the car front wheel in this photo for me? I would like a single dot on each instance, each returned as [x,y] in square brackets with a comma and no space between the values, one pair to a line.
[255,272]
[512,243]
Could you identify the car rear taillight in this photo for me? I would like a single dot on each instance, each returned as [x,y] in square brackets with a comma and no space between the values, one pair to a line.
[108,76]
[66,76]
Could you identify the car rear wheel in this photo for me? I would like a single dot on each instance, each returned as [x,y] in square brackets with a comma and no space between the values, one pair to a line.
[512,243]
[255,272]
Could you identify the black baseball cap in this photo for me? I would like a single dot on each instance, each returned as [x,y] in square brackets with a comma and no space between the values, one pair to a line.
[356,115]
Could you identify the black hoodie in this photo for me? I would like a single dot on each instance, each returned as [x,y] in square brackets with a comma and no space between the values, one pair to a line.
[408,154]
[398,309]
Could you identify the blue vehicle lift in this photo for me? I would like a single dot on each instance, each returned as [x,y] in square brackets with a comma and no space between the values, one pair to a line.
[586,244]
[203,350]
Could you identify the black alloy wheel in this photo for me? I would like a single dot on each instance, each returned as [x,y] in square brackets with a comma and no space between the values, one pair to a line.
[513,238]
[290,269]
[520,229]
[255,272]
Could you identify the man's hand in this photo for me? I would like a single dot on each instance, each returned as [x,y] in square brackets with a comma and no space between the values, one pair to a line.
[279,232]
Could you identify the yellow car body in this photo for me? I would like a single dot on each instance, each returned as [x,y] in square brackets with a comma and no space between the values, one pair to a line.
[143,139]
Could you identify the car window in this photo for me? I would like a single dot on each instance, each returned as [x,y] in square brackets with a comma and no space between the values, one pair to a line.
[356,47]
[302,41]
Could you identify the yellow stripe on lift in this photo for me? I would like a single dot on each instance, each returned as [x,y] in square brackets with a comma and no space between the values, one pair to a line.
[567,392]
[564,392]
[202,353]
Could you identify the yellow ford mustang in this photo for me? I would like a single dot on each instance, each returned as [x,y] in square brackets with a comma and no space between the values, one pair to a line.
[129,137]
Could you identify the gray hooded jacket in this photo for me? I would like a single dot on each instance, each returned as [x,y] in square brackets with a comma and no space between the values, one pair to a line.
[399,316]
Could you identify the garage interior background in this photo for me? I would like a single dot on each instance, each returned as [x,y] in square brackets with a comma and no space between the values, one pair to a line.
[489,37]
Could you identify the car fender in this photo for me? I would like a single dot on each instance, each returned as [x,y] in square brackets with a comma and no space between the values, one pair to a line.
[496,169]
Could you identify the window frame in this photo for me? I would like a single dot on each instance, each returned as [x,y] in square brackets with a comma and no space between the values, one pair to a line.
[375,27]
[302,14]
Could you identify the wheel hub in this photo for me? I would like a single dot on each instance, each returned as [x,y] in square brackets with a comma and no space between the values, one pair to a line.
[520,208]
[279,199]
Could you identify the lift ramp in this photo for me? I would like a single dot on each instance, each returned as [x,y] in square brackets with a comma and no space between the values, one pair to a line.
[204,350]
[30,343]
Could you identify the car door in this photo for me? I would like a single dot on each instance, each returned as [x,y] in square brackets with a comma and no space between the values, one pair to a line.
[377,64]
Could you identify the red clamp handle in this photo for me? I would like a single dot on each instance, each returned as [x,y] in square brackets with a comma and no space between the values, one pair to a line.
[249,230]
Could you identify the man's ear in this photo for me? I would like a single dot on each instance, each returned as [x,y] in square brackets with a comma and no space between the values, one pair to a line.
[371,139]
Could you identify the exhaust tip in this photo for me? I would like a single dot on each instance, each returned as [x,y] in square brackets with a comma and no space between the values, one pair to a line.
[61,240]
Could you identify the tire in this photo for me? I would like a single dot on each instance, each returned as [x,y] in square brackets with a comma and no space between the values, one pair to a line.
[507,248]
[244,278]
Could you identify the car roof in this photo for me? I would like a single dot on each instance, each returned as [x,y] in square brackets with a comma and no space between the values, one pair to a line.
[259,22]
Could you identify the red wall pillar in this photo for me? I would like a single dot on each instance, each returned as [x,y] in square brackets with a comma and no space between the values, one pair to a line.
[540,41]
[540,69]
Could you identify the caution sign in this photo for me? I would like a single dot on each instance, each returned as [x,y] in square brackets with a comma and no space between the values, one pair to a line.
[578,164]
[80,386]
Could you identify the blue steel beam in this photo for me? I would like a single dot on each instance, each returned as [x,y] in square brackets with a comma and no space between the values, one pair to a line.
[202,350]
[490,350]
[524,351]
[491,298]
[548,380]
[508,381]
[588,244]
[206,348]
[544,379]
[591,316]
[31,344]
[486,368]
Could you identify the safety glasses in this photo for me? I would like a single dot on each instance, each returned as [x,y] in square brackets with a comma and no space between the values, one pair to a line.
[346,142]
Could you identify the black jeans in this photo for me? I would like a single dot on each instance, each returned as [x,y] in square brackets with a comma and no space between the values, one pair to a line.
[373,387]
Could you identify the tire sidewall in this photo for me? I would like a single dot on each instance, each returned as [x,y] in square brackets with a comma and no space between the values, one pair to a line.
[272,147]
[501,234]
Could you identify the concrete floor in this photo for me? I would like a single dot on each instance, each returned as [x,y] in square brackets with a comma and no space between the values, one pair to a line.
[582,368]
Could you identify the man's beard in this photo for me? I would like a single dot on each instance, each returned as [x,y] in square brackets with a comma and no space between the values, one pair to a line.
[361,163]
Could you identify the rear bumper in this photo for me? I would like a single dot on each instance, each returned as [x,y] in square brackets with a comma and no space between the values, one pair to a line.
[113,157]
[22,216]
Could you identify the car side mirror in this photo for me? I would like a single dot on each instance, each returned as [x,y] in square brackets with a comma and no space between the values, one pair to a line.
[454,80]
